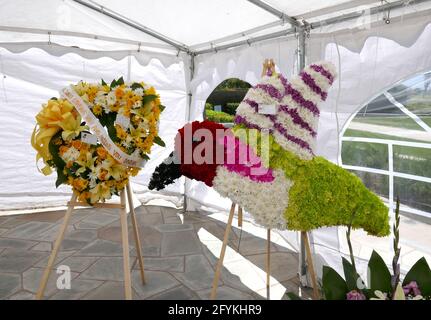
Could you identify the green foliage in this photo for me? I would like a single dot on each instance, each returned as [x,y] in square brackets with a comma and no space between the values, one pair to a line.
[293,296]
[225,96]
[321,186]
[108,120]
[118,82]
[230,108]
[334,286]
[233,83]
[367,134]
[57,160]
[351,275]
[421,273]
[218,116]
[148,98]
[364,154]
[395,279]
[209,106]
[136,85]
[159,141]
[379,275]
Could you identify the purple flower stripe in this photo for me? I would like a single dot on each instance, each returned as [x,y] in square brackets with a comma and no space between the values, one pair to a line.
[271,90]
[323,72]
[298,98]
[309,81]
[291,138]
[297,119]
[252,104]
[279,127]
[242,120]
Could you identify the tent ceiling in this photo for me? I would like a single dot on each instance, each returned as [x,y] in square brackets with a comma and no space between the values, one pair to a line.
[191,21]
[171,25]
[68,16]
[311,8]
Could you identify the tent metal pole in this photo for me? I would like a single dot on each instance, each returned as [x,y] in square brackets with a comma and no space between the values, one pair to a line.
[357,14]
[301,64]
[314,25]
[188,113]
[135,25]
[273,35]
[280,14]
[236,36]
[86,35]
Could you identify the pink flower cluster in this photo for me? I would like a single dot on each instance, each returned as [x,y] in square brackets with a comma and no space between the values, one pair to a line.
[241,159]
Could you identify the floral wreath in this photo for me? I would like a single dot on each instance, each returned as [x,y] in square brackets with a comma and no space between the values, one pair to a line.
[129,115]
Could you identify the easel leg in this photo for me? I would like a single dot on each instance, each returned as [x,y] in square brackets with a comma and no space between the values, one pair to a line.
[239,216]
[316,294]
[268,264]
[54,252]
[239,226]
[125,242]
[136,232]
[222,253]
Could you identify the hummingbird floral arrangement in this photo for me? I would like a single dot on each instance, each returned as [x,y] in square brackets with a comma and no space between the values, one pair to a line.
[97,135]
[267,163]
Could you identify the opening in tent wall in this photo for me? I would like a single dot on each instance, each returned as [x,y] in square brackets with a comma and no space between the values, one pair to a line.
[31,77]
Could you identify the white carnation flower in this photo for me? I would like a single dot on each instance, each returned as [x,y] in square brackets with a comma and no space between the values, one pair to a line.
[139,91]
[111,98]
[71,154]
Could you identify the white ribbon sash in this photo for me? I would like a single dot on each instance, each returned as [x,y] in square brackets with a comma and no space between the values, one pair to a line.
[93,123]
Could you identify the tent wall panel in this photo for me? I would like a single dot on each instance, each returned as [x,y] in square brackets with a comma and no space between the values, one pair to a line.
[30,78]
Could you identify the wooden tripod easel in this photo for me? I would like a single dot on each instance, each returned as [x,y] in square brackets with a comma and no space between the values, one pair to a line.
[316,294]
[223,251]
[124,236]
[304,235]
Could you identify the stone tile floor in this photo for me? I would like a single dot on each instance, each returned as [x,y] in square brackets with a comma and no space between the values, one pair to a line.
[180,253]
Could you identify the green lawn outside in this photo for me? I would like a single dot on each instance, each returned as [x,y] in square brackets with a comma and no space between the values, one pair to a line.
[403,122]
[367,134]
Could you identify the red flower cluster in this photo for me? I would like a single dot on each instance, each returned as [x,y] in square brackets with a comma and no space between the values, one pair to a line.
[197,150]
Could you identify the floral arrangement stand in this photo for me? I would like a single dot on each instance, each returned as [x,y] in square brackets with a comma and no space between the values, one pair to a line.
[213,295]
[310,265]
[304,235]
[96,136]
[124,236]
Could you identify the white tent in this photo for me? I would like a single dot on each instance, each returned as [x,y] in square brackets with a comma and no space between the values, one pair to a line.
[185,49]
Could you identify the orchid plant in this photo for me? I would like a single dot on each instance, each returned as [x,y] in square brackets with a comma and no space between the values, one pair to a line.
[382,284]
